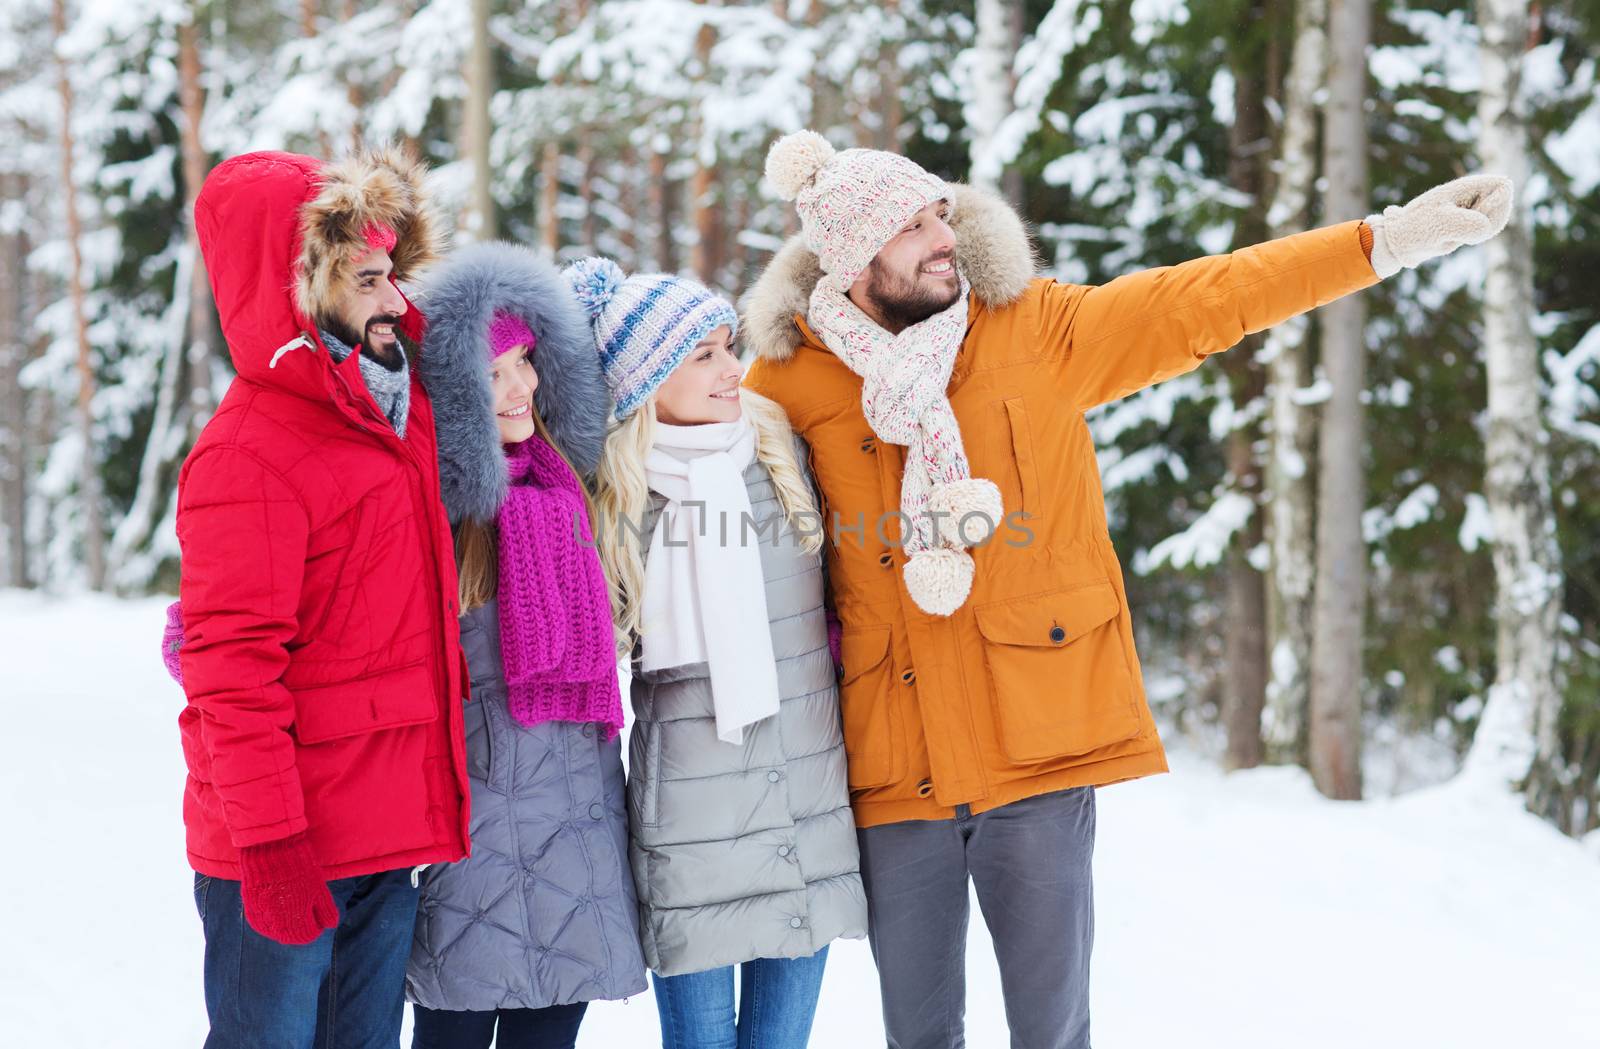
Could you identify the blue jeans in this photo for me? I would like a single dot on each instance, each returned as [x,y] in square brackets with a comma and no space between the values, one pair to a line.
[344,990]
[553,1028]
[777,1000]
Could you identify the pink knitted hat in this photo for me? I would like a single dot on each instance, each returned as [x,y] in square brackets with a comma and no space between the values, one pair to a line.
[506,331]
[850,203]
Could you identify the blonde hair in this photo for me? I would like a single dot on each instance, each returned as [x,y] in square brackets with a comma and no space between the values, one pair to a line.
[477,543]
[622,495]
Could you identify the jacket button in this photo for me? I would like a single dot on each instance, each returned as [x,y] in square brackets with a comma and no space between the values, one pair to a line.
[1057,634]
[887,560]
[595,811]
[795,923]
[588,729]
[925,789]
[784,850]
[909,676]
[774,776]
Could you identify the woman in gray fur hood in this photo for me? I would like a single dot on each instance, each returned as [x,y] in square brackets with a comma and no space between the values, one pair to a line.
[542,917]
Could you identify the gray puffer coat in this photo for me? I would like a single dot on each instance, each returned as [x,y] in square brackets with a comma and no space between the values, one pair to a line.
[748,851]
[543,912]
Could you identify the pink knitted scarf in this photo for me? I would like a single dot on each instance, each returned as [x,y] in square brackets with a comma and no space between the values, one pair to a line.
[556,641]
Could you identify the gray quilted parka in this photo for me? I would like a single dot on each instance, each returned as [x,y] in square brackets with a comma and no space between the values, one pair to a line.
[543,912]
[746,851]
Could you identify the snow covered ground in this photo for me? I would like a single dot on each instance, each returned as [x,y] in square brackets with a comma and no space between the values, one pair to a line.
[1234,911]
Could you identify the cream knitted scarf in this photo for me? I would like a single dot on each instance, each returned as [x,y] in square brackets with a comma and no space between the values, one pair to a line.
[903,382]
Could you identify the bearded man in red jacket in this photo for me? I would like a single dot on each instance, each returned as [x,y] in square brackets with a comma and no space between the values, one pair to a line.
[321,658]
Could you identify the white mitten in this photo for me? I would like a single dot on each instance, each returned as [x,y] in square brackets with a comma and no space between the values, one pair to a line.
[1469,210]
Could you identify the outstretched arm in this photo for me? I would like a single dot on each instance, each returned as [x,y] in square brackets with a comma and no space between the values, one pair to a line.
[1118,338]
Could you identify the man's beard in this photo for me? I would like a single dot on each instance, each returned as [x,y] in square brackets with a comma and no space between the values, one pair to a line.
[390,356]
[902,302]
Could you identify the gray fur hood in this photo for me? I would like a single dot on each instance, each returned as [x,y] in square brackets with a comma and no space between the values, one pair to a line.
[992,249]
[460,297]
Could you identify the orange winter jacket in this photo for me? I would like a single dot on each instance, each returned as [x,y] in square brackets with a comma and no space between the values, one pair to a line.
[1033,685]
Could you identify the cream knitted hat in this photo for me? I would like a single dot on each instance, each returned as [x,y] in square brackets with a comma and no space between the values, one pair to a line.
[850,203]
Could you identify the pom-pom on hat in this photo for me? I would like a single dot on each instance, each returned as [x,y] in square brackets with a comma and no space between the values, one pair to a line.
[850,203]
[644,325]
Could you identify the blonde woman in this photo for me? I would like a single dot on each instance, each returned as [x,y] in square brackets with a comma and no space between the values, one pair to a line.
[741,838]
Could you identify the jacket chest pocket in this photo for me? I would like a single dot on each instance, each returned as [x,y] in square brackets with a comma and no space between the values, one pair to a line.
[1061,683]
[1012,460]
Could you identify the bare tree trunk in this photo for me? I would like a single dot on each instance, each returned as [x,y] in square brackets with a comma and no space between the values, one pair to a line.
[628,199]
[1290,496]
[191,97]
[550,198]
[308,31]
[1517,742]
[89,481]
[14,443]
[991,97]
[479,220]
[739,260]
[353,93]
[183,399]
[1011,182]
[1341,586]
[663,207]
[706,257]
[1245,680]
[591,221]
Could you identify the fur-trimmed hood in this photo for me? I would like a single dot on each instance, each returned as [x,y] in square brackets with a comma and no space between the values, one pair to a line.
[992,249]
[382,186]
[461,297]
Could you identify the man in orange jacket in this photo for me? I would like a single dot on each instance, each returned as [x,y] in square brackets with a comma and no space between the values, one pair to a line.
[990,679]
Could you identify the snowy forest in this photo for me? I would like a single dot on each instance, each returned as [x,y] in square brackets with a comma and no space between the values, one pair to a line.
[1364,543]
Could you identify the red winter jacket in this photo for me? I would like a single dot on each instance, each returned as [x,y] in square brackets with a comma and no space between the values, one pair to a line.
[322,661]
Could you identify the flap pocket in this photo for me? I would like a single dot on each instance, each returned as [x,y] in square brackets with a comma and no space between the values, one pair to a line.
[867,701]
[861,650]
[1060,679]
[1050,620]
[350,708]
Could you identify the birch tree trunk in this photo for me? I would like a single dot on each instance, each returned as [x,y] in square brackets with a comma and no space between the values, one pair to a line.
[1517,742]
[1339,608]
[1290,504]
[991,91]
[479,220]
[89,478]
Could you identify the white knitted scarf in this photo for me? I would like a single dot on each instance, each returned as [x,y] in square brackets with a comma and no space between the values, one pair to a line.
[903,383]
[705,593]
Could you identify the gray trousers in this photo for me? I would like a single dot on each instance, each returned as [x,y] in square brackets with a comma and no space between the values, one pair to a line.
[1031,863]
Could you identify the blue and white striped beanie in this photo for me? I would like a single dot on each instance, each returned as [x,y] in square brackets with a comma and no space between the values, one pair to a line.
[644,325]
